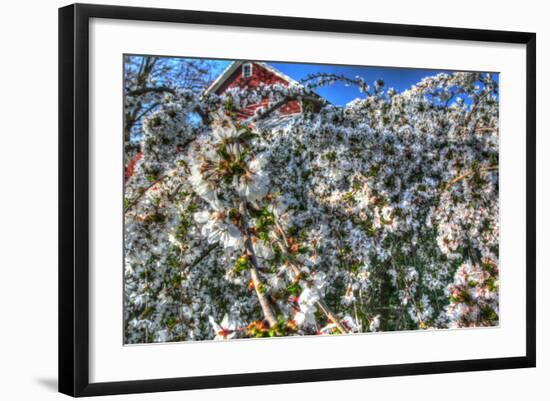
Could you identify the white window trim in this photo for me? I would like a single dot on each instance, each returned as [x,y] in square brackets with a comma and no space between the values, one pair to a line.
[243,69]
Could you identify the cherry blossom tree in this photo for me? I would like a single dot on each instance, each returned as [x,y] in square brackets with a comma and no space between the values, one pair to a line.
[380,215]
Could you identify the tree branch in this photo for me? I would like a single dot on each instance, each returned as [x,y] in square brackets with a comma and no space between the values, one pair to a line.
[143,113]
[331,316]
[150,89]
[137,198]
[282,102]
[204,116]
[469,173]
[203,255]
[254,275]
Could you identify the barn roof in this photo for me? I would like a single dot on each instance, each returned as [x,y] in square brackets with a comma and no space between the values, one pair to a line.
[236,64]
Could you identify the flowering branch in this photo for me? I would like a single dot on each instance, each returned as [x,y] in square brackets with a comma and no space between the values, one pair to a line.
[291,261]
[254,275]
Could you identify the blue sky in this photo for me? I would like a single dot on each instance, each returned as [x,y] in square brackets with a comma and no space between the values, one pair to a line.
[339,94]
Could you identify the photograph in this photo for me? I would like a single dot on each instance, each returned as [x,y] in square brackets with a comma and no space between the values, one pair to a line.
[272,199]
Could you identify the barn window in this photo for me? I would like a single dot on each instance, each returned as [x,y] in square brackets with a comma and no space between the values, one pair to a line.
[247,70]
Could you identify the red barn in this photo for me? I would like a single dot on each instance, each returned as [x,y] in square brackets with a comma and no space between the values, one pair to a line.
[250,75]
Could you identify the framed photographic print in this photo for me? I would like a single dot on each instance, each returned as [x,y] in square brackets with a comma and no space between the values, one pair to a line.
[250,199]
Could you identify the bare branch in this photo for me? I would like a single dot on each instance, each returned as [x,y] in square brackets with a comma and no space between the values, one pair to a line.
[150,89]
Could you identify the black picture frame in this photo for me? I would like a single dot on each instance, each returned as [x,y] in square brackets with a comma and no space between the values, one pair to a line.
[74,198]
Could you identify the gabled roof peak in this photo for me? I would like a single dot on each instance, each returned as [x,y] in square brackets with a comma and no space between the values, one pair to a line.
[214,86]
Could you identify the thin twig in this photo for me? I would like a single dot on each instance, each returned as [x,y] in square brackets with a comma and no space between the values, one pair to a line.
[331,316]
[203,255]
[137,198]
[469,173]
[486,129]
[410,295]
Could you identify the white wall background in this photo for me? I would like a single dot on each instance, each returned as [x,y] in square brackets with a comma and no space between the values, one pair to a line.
[28,200]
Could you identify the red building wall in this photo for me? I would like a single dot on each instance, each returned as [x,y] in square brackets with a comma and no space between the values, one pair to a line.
[259,75]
